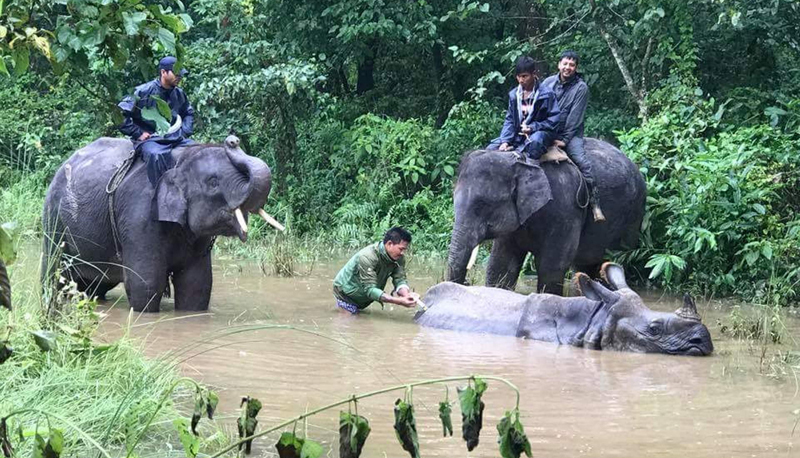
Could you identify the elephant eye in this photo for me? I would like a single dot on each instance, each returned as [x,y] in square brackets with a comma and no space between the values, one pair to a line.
[213,182]
[655,328]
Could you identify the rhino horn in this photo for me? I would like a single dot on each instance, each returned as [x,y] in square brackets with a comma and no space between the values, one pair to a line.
[688,310]
[614,275]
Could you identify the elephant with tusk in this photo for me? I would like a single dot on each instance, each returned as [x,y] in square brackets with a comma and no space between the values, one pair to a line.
[157,234]
[603,319]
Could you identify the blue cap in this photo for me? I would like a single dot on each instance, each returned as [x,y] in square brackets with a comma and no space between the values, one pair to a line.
[168,62]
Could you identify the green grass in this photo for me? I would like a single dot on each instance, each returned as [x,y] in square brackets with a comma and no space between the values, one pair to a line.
[106,394]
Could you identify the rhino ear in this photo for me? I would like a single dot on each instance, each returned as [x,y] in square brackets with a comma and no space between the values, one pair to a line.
[170,203]
[532,190]
[594,290]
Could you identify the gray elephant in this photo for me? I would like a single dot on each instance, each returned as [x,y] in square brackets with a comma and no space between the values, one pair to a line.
[532,209]
[603,319]
[161,233]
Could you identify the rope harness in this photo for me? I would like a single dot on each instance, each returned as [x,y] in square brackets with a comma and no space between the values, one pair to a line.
[111,188]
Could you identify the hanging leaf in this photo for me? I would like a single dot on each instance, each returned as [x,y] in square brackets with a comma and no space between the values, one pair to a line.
[353,433]
[8,234]
[291,446]
[211,404]
[513,440]
[472,412]
[405,427]
[246,424]
[5,444]
[445,410]
[51,448]
[152,114]
[190,442]
[199,410]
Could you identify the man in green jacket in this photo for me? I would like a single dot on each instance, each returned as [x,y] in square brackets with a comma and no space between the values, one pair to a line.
[362,279]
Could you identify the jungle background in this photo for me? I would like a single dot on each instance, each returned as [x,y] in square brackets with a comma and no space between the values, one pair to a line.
[363,109]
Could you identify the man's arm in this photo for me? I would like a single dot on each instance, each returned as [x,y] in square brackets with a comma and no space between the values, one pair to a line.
[507,134]
[187,120]
[368,278]
[576,114]
[552,115]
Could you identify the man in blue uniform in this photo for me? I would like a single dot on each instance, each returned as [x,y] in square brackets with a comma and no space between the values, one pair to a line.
[533,115]
[156,150]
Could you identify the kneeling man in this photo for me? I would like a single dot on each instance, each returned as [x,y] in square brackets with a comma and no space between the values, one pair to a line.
[362,279]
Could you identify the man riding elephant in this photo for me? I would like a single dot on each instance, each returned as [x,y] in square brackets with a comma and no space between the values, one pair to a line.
[532,116]
[155,150]
[572,94]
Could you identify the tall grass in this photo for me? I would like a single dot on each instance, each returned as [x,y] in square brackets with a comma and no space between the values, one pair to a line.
[105,391]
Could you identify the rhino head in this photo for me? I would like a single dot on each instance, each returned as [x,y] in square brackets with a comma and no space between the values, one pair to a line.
[623,322]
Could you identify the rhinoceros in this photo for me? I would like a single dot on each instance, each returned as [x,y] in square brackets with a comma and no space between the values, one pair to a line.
[607,319]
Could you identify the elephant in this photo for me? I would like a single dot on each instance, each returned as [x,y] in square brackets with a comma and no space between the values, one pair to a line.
[530,208]
[602,319]
[162,233]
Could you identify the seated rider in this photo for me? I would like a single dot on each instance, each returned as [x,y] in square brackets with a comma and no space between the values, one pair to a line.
[532,117]
[361,281]
[155,150]
[572,94]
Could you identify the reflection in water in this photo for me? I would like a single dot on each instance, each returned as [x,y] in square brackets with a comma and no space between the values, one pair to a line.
[574,401]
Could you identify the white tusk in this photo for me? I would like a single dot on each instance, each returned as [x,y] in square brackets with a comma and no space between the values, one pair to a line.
[240,218]
[272,221]
[473,257]
[176,126]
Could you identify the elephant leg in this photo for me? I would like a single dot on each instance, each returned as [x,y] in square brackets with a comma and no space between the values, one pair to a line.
[193,285]
[145,285]
[592,270]
[505,262]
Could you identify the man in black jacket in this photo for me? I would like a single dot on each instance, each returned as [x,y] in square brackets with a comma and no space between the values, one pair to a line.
[573,96]
[532,116]
[156,150]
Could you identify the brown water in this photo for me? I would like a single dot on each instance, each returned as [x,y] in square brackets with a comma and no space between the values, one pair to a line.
[575,402]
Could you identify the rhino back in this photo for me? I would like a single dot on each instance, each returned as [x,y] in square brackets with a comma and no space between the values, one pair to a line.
[562,320]
[472,309]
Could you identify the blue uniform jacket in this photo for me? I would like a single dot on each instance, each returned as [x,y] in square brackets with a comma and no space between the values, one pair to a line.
[544,116]
[134,125]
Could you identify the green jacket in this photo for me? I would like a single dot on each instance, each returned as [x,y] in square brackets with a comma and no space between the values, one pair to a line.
[362,279]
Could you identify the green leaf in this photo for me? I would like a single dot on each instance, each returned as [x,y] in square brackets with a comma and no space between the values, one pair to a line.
[45,340]
[163,108]
[472,412]
[760,209]
[8,235]
[131,22]
[310,449]
[22,59]
[167,40]
[353,433]
[211,404]
[190,442]
[448,169]
[152,114]
[291,446]
[405,427]
[513,441]
[445,412]
[766,251]
[3,68]
[484,8]
[55,444]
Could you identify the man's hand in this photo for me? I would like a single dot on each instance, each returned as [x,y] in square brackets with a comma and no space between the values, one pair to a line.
[405,301]
[144,136]
[504,147]
[525,129]
[559,144]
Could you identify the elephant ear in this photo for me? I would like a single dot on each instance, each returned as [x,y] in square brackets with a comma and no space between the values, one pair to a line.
[532,190]
[170,203]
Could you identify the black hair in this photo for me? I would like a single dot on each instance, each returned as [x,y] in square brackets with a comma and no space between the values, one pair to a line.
[396,235]
[526,64]
[569,55]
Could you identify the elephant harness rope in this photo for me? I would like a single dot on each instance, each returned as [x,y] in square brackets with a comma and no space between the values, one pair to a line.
[111,188]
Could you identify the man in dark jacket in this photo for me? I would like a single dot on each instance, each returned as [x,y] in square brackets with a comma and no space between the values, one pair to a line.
[156,150]
[532,116]
[573,96]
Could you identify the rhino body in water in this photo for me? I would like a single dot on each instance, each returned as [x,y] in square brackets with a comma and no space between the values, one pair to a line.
[610,319]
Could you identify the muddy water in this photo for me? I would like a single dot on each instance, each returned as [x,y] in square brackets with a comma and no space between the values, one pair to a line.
[575,402]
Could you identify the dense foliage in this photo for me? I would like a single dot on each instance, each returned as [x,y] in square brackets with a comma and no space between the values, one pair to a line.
[364,108]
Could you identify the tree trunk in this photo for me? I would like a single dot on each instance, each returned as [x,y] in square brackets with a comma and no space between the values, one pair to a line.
[366,70]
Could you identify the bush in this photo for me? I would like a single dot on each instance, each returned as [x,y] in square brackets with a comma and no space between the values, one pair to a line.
[722,211]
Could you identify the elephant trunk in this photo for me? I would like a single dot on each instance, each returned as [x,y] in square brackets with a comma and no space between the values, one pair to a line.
[462,242]
[259,176]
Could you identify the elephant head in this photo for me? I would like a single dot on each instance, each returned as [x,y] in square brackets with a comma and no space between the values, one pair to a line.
[212,189]
[623,322]
[494,195]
